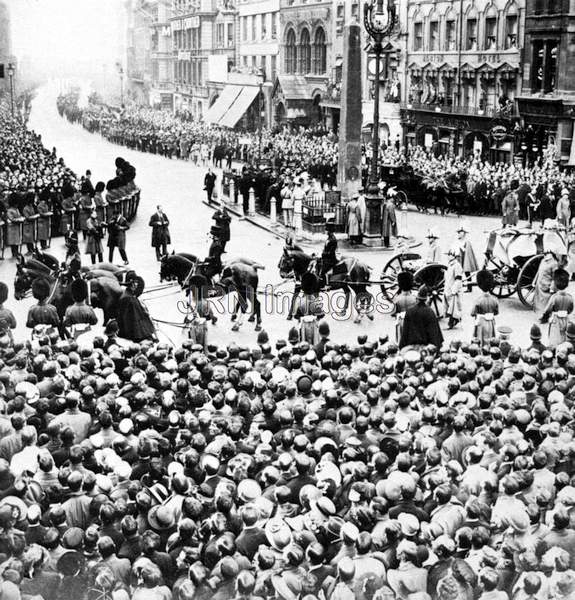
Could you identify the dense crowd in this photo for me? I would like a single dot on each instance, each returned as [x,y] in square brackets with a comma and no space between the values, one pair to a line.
[161,132]
[337,471]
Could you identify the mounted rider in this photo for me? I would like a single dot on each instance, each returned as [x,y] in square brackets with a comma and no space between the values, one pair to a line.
[213,263]
[329,252]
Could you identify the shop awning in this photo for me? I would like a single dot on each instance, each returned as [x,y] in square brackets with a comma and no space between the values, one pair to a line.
[239,107]
[222,104]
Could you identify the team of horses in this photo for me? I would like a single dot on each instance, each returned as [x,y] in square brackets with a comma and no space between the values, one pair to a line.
[238,279]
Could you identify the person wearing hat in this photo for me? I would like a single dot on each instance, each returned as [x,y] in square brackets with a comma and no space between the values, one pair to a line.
[117,227]
[453,288]
[485,309]
[94,235]
[420,325]
[563,209]
[510,206]
[535,337]
[134,321]
[159,223]
[403,301]
[222,220]
[354,220]
[558,309]
[14,221]
[7,318]
[543,281]
[466,254]
[329,252]
[79,314]
[213,263]
[42,313]
[433,248]
[388,220]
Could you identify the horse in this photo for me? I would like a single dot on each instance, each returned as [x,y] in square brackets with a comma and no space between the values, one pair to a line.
[348,274]
[237,275]
[104,291]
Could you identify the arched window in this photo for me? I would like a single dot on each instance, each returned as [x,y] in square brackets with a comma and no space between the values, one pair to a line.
[490,42]
[291,52]
[320,65]
[305,53]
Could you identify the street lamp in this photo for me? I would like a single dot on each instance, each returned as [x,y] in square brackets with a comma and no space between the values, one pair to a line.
[11,70]
[379,19]
[261,107]
[121,73]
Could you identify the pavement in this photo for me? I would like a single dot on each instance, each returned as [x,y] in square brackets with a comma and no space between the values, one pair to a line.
[178,186]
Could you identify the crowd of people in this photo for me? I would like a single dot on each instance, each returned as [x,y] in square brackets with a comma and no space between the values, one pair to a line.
[293,470]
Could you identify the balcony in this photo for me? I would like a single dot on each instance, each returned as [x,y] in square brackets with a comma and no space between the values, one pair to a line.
[163,85]
[161,55]
[470,111]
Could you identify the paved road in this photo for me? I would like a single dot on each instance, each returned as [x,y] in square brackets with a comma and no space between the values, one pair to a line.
[177,185]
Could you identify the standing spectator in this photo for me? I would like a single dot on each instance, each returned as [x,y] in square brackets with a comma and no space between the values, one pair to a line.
[287,204]
[389,221]
[564,209]
[94,235]
[117,227]
[354,221]
[420,325]
[510,206]
[159,223]
[209,184]
[44,223]
[30,214]
[14,221]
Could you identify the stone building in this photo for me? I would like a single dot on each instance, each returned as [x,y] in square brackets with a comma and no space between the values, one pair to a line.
[463,72]
[162,71]
[5,45]
[547,101]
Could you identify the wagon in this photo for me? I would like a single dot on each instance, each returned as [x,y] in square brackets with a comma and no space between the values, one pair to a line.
[512,255]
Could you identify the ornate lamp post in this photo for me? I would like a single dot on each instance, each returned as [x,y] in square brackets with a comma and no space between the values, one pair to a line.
[379,18]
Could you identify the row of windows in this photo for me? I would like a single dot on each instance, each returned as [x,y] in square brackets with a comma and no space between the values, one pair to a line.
[224,35]
[267,64]
[547,7]
[189,72]
[442,35]
[302,57]
[186,39]
[259,27]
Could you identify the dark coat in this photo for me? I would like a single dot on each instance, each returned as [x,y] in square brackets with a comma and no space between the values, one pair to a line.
[160,232]
[420,327]
[117,228]
[210,181]
[133,320]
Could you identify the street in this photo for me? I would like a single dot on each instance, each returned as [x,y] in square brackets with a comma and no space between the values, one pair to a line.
[178,187]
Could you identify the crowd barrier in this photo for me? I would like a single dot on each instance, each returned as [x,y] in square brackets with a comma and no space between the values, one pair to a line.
[43,228]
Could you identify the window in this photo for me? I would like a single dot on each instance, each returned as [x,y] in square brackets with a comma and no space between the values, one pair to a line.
[340,11]
[305,53]
[254,35]
[545,54]
[220,35]
[263,27]
[511,31]
[291,53]
[450,35]
[490,33]
[354,11]
[245,29]
[274,25]
[471,34]
[230,34]
[540,6]
[273,67]
[418,37]
[434,35]
[319,54]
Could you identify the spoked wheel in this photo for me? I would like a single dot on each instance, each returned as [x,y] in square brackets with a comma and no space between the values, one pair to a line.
[505,277]
[433,276]
[407,261]
[525,281]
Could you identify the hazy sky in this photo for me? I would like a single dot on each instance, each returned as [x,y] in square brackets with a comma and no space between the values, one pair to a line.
[67,30]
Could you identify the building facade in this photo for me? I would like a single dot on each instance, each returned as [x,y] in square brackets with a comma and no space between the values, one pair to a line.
[162,70]
[306,57]
[5,45]
[547,101]
[138,71]
[463,73]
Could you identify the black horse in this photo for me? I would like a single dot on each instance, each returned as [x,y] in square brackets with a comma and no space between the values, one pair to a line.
[348,274]
[240,276]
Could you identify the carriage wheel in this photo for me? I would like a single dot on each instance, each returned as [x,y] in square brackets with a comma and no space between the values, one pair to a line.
[505,277]
[400,199]
[525,285]
[433,276]
[399,263]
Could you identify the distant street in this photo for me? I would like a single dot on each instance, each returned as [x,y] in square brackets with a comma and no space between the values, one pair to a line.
[177,186]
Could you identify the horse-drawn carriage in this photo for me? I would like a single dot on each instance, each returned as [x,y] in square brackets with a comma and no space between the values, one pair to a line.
[512,255]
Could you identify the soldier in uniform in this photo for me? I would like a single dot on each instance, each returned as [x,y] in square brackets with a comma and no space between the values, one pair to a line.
[222,220]
[44,223]
[30,215]
[558,309]
[466,252]
[14,220]
[85,204]
[434,249]
[485,309]
[94,233]
[67,218]
[117,228]
[452,290]
[42,313]
[79,316]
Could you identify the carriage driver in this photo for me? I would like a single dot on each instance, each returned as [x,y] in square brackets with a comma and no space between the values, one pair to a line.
[329,252]
[213,263]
